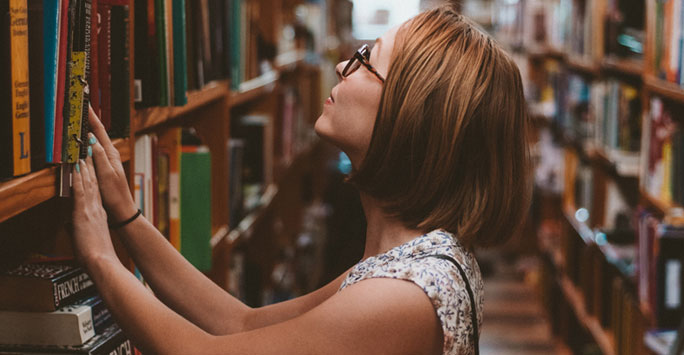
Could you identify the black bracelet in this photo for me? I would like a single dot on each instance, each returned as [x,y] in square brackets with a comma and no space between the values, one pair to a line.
[121,224]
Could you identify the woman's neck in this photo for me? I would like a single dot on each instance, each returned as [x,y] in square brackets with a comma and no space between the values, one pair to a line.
[383,232]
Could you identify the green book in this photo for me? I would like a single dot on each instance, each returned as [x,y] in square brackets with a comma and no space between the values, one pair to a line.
[180,62]
[195,206]
[160,14]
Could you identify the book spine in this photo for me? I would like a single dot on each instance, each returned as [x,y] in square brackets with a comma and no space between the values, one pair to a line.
[71,287]
[180,63]
[160,14]
[67,326]
[21,156]
[120,72]
[94,78]
[50,64]
[104,63]
[36,83]
[62,49]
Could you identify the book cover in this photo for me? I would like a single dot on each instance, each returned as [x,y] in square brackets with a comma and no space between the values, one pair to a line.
[160,21]
[77,126]
[15,158]
[111,342]
[195,207]
[170,146]
[62,74]
[120,72]
[51,22]
[669,308]
[43,287]
[103,59]
[36,82]
[94,78]
[69,325]
[180,62]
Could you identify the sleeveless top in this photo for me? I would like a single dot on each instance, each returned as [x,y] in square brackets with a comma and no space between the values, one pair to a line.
[438,278]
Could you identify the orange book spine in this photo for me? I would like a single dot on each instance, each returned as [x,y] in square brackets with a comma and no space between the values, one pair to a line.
[20,87]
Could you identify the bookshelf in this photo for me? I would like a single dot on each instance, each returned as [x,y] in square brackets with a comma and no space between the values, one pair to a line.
[598,75]
[293,66]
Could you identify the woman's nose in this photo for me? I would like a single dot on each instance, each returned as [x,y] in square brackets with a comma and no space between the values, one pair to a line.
[339,68]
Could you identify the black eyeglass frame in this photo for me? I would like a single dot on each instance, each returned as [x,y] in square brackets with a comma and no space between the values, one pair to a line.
[362,56]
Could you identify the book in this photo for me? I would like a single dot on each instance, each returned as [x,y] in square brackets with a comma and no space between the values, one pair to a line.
[62,74]
[76,129]
[51,25]
[170,146]
[669,306]
[15,154]
[70,325]
[43,287]
[180,62]
[104,57]
[120,71]
[195,205]
[36,82]
[111,342]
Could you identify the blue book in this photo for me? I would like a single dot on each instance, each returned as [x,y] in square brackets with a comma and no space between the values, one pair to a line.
[51,53]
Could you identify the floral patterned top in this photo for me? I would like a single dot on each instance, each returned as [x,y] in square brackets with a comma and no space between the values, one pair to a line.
[439,279]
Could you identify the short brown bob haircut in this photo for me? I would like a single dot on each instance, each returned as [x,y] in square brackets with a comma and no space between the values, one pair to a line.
[449,148]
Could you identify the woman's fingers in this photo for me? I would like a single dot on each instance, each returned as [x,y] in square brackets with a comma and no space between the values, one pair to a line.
[77,187]
[93,180]
[101,134]
[102,163]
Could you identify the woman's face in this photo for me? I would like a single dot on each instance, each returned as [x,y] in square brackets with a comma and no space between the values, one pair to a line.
[349,113]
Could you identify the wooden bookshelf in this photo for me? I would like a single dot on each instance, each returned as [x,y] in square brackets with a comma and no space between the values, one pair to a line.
[663,88]
[661,206]
[625,66]
[574,297]
[22,193]
[254,89]
[148,118]
[582,65]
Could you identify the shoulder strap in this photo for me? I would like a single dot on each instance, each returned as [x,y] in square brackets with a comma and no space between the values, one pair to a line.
[473,306]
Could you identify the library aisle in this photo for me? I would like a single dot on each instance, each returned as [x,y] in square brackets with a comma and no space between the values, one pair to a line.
[514,321]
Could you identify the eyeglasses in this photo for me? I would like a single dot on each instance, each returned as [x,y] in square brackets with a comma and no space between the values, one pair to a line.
[361,56]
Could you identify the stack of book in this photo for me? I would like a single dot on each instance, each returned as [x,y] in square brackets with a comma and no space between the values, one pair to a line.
[57,58]
[53,307]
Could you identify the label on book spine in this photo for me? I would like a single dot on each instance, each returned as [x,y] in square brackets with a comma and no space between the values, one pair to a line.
[65,290]
[20,86]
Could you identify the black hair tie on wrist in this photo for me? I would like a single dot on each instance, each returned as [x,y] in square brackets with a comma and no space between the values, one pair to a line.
[121,224]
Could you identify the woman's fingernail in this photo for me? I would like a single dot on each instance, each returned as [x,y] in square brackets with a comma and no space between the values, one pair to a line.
[92,140]
[78,168]
[90,151]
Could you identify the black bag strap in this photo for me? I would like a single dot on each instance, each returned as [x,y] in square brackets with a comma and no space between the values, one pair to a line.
[473,307]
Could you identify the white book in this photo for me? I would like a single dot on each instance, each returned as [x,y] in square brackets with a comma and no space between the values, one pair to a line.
[70,325]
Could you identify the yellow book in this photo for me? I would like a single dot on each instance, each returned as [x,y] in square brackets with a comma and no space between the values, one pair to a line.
[18,12]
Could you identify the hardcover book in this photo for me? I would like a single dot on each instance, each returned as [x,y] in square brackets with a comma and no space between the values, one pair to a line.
[70,325]
[43,287]
[111,342]
[15,155]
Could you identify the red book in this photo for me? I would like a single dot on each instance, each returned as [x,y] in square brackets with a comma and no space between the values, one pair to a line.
[94,67]
[61,80]
[104,62]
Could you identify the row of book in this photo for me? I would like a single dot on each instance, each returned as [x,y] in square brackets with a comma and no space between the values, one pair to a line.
[173,189]
[570,26]
[659,262]
[669,39]
[605,113]
[59,57]
[663,156]
[52,307]
[183,45]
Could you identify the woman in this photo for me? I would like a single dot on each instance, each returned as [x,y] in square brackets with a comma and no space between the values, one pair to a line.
[434,123]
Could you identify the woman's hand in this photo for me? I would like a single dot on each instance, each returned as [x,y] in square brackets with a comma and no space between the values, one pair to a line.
[116,195]
[91,234]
